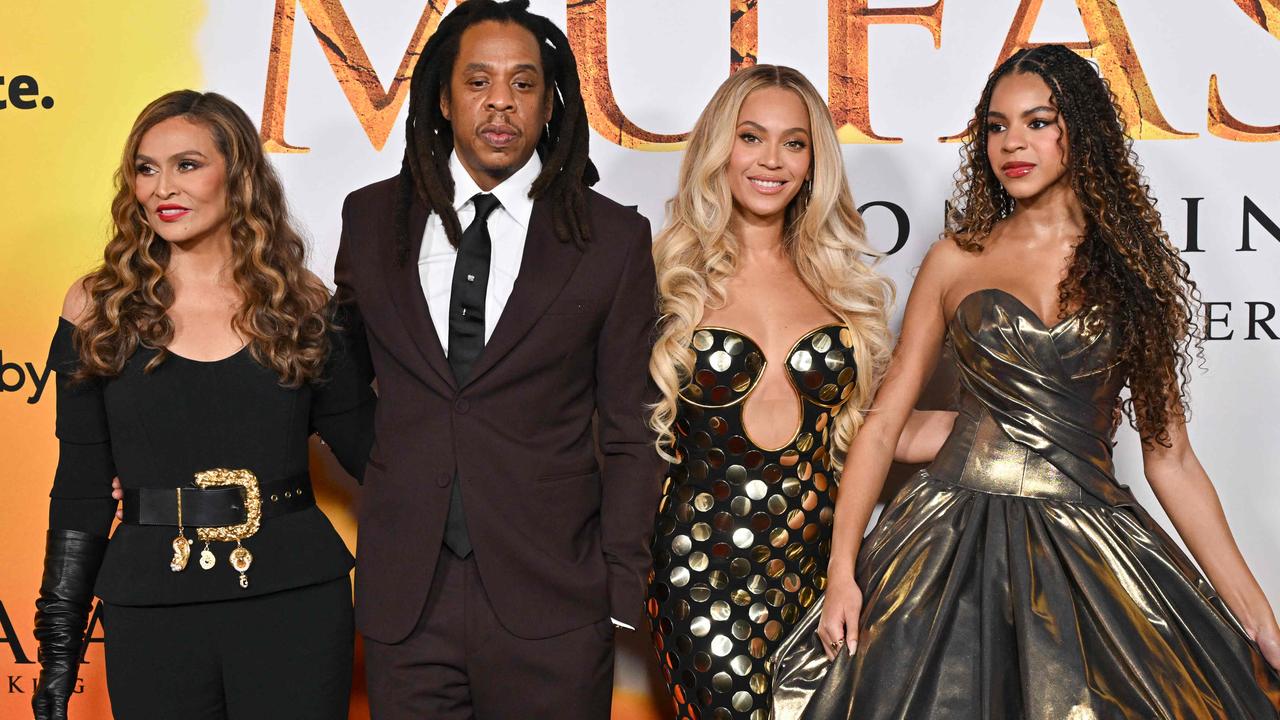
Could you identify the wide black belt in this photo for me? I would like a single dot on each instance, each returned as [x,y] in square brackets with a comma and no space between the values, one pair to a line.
[215,506]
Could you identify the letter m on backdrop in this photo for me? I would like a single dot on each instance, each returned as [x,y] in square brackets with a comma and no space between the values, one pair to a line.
[376,108]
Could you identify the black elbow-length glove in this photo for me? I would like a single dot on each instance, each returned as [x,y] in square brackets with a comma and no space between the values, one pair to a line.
[71,563]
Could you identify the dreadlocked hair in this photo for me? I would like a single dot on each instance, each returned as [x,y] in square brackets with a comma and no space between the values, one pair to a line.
[1124,264]
[564,145]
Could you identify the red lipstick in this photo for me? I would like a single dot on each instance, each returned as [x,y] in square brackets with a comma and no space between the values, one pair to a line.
[172,213]
[1017,169]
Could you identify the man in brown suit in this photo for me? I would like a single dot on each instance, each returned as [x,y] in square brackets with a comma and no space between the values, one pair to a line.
[505,303]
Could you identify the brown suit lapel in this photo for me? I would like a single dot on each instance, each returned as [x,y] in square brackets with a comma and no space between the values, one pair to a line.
[406,294]
[545,267]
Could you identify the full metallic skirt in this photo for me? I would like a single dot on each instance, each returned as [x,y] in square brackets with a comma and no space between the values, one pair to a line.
[983,605]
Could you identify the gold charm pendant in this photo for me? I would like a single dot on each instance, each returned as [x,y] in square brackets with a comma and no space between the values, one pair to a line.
[241,559]
[181,553]
[207,559]
[181,545]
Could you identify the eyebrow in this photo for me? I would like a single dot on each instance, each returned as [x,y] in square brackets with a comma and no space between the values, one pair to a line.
[1032,111]
[184,153]
[486,67]
[762,128]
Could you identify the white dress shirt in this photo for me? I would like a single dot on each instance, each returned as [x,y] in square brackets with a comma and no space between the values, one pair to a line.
[508,226]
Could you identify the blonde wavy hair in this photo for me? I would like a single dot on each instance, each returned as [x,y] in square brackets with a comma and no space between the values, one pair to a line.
[697,252]
[283,310]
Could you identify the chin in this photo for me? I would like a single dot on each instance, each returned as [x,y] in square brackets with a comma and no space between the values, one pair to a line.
[1022,193]
[498,165]
[174,238]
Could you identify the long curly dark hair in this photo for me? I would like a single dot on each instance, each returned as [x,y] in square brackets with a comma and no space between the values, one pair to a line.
[1124,265]
[283,313]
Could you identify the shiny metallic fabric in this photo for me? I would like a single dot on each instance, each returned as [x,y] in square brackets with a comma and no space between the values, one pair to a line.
[1016,578]
[743,533]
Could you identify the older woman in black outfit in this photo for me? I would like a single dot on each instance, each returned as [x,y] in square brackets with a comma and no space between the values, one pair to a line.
[194,364]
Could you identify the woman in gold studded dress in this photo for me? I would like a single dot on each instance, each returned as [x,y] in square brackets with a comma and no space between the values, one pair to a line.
[773,334]
[1016,577]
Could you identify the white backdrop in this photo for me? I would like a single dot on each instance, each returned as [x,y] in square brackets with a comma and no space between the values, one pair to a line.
[667,56]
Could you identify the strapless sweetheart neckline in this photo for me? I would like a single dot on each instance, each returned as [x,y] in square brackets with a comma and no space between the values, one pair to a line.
[1051,329]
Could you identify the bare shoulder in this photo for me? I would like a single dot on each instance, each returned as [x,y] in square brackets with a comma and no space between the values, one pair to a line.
[76,300]
[944,261]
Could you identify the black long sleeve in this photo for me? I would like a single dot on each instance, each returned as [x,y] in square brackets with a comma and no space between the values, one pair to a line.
[81,495]
[343,404]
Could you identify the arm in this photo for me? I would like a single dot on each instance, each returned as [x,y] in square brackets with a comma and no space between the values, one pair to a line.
[343,413]
[630,478]
[1186,493]
[343,404]
[81,497]
[80,514]
[923,435]
[872,450]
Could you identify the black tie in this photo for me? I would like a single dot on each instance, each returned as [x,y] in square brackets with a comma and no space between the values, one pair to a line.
[466,336]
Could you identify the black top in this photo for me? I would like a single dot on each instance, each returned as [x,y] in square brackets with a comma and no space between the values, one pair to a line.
[157,429]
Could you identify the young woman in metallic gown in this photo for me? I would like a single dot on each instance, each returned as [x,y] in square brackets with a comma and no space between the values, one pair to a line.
[1017,577]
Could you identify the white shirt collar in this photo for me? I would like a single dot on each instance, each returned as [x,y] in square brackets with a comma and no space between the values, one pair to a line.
[513,192]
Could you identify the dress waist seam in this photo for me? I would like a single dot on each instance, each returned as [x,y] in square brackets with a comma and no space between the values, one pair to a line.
[1082,499]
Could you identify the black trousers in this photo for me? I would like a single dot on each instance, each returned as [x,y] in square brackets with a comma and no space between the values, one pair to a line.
[281,656]
[460,663]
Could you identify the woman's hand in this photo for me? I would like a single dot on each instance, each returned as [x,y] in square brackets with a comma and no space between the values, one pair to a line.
[1267,636]
[842,606]
[117,494]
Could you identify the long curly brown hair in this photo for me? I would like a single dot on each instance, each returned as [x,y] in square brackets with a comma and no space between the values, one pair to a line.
[283,308]
[1124,265]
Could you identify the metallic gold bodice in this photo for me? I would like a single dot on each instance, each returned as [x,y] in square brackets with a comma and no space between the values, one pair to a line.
[743,532]
[1038,410]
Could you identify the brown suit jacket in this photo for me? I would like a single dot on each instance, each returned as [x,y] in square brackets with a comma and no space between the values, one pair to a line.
[560,542]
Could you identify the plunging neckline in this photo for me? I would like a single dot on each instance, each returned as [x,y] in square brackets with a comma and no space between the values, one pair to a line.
[764,364]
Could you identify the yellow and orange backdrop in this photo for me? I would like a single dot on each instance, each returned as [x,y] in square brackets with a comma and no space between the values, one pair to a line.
[327,80]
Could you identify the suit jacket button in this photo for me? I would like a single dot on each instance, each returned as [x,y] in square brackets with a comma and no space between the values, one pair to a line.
[462,405]
[443,479]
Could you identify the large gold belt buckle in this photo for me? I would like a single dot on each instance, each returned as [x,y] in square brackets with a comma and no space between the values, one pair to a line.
[221,477]
[240,558]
